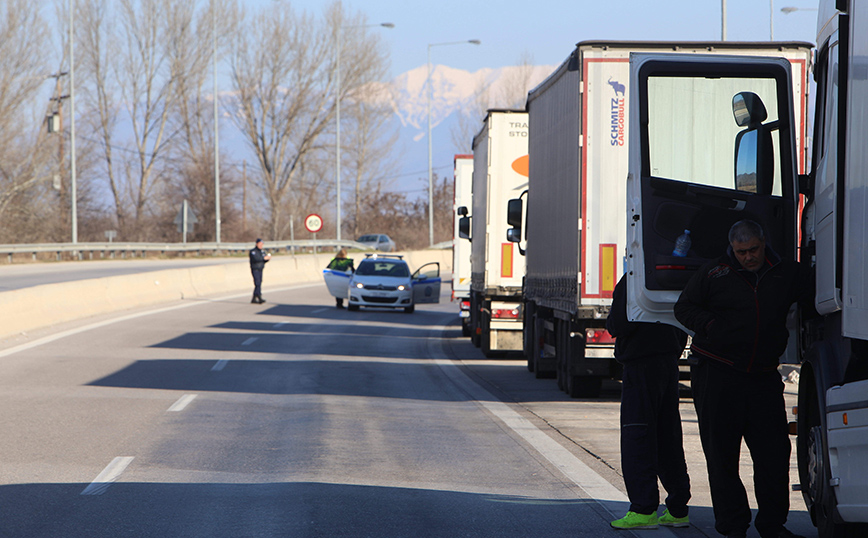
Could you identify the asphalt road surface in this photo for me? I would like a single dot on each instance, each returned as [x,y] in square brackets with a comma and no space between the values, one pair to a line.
[219,418]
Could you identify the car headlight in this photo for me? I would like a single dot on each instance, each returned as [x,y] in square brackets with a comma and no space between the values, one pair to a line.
[359,285]
[401,287]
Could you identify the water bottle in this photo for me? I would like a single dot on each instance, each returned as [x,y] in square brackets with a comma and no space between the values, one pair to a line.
[682,244]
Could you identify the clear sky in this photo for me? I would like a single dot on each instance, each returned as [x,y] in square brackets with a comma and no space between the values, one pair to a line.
[546,30]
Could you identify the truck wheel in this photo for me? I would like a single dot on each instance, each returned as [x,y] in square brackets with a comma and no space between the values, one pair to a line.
[528,336]
[485,337]
[581,386]
[465,328]
[818,486]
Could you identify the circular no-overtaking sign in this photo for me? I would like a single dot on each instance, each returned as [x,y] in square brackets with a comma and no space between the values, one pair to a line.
[313,223]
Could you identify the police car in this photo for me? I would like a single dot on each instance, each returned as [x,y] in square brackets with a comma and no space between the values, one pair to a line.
[384,280]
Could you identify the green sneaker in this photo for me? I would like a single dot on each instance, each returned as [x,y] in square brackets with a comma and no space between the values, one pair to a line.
[635,521]
[668,520]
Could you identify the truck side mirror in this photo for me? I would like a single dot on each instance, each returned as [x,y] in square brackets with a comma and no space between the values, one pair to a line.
[513,235]
[514,212]
[462,211]
[464,228]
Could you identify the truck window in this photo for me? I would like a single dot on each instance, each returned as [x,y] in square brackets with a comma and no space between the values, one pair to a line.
[692,133]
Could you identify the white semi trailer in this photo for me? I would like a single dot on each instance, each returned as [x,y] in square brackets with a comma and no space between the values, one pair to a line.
[760,180]
[574,229]
[461,200]
[499,174]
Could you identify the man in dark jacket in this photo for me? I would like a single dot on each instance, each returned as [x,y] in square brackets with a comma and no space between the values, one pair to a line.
[258,259]
[737,305]
[651,439]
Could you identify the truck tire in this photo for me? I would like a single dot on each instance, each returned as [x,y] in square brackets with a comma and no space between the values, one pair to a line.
[584,386]
[485,337]
[814,465]
[528,335]
[465,328]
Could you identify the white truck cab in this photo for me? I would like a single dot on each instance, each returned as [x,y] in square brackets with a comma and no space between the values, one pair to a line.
[714,140]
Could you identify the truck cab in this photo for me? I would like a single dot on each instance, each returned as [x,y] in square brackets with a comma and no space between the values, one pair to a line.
[716,140]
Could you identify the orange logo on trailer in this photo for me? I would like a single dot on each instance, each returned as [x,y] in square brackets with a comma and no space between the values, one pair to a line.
[521,166]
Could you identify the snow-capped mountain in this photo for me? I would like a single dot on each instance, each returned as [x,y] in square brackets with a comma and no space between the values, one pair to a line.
[459,100]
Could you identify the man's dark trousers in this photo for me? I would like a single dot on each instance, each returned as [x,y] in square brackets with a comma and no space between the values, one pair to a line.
[731,405]
[257,282]
[651,442]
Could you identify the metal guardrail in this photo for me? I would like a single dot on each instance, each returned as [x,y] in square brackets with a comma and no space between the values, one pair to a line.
[86,250]
[82,250]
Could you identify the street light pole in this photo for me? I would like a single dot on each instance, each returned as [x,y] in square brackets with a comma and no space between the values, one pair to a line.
[430,152]
[72,181]
[216,133]
[338,115]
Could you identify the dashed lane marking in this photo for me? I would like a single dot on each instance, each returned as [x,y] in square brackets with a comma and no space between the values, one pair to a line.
[108,476]
[182,402]
[219,365]
[249,341]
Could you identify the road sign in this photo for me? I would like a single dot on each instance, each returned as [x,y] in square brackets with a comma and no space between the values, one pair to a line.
[313,223]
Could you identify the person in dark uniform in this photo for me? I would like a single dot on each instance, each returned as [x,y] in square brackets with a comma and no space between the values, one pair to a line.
[737,306]
[651,437]
[258,259]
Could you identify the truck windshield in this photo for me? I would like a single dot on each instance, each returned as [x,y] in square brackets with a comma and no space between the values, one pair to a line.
[691,130]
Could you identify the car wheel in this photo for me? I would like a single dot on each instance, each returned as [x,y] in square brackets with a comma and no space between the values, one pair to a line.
[352,307]
[410,309]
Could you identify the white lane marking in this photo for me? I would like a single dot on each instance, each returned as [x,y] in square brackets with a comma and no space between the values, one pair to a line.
[279,325]
[193,302]
[219,365]
[182,402]
[577,471]
[249,341]
[108,476]
[318,310]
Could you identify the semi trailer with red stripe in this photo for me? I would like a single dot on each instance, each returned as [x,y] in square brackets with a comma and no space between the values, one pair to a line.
[571,222]
[497,268]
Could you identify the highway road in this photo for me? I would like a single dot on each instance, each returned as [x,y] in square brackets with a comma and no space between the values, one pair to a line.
[218,418]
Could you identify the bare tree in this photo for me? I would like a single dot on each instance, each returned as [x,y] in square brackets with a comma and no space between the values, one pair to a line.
[23,68]
[132,81]
[284,77]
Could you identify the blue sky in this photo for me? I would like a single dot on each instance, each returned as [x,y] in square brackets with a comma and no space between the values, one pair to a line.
[547,29]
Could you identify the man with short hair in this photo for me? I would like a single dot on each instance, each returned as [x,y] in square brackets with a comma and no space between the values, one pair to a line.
[737,306]
[258,259]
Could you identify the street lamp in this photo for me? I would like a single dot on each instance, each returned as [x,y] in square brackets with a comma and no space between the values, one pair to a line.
[338,115]
[788,10]
[430,154]
[216,134]
[73,191]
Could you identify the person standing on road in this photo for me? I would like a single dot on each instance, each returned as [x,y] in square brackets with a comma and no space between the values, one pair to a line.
[341,263]
[258,259]
[737,305]
[651,438]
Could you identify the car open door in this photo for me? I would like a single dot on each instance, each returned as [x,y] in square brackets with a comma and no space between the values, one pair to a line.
[711,143]
[426,284]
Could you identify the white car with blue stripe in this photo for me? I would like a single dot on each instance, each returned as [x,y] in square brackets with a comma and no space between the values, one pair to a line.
[385,281]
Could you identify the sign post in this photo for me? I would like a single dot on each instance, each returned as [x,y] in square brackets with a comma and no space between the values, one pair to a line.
[185,220]
[313,223]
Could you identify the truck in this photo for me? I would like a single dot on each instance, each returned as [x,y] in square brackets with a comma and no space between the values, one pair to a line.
[573,223]
[461,198]
[499,174]
[818,217]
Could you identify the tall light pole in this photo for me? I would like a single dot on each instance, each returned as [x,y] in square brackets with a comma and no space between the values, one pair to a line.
[72,183]
[430,153]
[216,132]
[338,115]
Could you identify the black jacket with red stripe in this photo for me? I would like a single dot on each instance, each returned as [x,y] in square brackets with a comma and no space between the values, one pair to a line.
[739,317]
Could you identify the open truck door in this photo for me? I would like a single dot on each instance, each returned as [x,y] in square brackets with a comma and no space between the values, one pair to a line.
[711,142]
